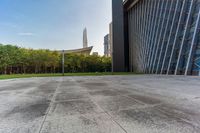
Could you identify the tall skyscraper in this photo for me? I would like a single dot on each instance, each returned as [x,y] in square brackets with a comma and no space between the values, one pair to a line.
[83,51]
[111,39]
[107,46]
[85,41]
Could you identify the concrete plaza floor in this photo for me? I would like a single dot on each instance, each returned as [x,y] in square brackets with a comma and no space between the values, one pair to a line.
[104,104]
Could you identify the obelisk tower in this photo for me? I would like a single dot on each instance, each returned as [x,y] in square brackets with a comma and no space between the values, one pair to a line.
[85,41]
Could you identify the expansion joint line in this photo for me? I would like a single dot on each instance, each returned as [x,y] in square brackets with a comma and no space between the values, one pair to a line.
[104,111]
[50,105]
[115,121]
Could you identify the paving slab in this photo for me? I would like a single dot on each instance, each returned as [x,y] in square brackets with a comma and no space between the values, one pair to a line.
[101,104]
[100,123]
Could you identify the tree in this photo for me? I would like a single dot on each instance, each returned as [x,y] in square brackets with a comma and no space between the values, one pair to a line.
[17,60]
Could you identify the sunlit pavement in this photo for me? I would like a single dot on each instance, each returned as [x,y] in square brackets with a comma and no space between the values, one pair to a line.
[107,104]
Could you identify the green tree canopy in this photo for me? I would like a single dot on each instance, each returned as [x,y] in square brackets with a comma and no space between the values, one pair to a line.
[15,60]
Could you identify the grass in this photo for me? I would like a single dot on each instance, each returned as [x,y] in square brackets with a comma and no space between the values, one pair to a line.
[13,76]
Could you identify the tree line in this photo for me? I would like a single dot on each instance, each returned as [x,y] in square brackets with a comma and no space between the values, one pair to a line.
[17,60]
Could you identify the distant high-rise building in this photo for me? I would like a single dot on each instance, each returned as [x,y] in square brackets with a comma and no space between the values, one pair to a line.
[83,51]
[111,38]
[107,46]
[85,41]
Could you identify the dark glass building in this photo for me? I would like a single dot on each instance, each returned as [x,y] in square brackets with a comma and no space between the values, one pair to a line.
[107,46]
[159,36]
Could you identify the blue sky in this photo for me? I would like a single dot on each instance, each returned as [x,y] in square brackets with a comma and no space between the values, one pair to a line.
[54,24]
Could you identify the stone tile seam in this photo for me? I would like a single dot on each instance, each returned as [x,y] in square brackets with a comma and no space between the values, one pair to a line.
[50,105]
[75,115]
[120,126]
[70,100]
[195,125]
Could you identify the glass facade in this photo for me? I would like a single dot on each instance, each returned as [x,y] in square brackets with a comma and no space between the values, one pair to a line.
[164,36]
